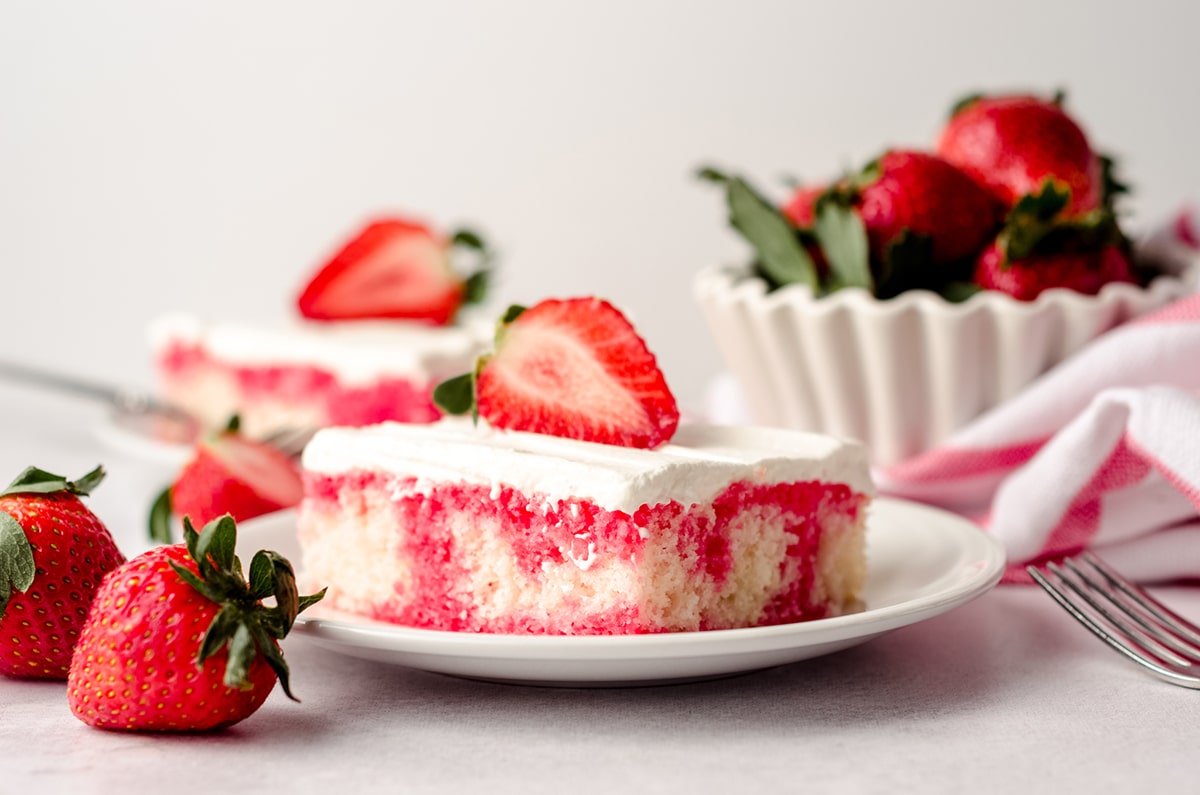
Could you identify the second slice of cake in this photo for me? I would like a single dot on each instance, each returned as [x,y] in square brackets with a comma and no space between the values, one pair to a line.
[455,527]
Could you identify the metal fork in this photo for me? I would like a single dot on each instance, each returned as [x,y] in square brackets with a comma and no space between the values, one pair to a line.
[1124,616]
[141,412]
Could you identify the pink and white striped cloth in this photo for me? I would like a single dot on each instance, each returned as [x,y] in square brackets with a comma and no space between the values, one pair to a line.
[1103,452]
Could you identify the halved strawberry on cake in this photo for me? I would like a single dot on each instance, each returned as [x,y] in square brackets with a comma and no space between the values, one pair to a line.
[377,327]
[581,505]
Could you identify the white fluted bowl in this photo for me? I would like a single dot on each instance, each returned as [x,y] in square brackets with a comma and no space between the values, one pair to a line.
[901,374]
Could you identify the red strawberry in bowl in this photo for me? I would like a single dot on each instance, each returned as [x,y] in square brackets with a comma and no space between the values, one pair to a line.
[906,193]
[1040,249]
[909,220]
[574,368]
[229,473]
[1012,145]
[179,640]
[394,269]
[54,552]
[1026,278]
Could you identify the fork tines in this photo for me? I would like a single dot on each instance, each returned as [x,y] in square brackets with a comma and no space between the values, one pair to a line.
[1124,616]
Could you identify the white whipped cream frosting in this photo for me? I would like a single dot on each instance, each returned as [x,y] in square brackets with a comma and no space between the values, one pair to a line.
[700,461]
[355,351]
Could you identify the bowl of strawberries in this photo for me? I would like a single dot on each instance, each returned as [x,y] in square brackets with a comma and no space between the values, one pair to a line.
[896,303]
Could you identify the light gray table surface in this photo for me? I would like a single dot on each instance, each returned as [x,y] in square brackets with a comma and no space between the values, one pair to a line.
[1004,694]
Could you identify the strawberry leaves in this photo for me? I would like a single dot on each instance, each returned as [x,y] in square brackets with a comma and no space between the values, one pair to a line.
[160,517]
[1037,224]
[476,286]
[17,567]
[840,233]
[1032,218]
[780,254]
[243,626]
[39,481]
[456,396]
[779,247]
[905,221]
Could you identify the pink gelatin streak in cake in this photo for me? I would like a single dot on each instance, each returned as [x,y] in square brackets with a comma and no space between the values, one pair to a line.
[473,558]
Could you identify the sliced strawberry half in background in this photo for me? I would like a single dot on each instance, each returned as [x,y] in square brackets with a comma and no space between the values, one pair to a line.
[229,474]
[394,269]
[574,368]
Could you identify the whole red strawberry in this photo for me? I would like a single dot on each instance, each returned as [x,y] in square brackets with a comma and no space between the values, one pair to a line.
[177,640]
[229,473]
[395,269]
[1039,249]
[1013,144]
[53,554]
[905,194]
[574,368]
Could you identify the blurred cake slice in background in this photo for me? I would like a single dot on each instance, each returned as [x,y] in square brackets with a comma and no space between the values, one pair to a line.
[377,326]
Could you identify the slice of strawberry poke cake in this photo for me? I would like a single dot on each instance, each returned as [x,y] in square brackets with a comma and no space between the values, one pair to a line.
[378,328]
[581,506]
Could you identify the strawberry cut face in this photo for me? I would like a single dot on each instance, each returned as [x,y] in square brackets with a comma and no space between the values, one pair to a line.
[236,475]
[269,471]
[576,368]
[393,269]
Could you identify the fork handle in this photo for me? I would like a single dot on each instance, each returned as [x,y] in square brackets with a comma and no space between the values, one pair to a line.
[120,398]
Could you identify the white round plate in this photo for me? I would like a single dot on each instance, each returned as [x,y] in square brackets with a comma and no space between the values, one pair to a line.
[923,562]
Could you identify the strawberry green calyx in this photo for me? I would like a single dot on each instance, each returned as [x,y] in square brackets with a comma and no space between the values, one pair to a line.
[17,567]
[243,625]
[1035,225]
[842,237]
[160,517]
[475,288]
[780,254]
[1112,188]
[39,481]
[456,396]
[782,257]
[1032,218]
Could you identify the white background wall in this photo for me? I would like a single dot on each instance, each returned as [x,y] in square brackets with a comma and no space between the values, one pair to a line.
[205,156]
